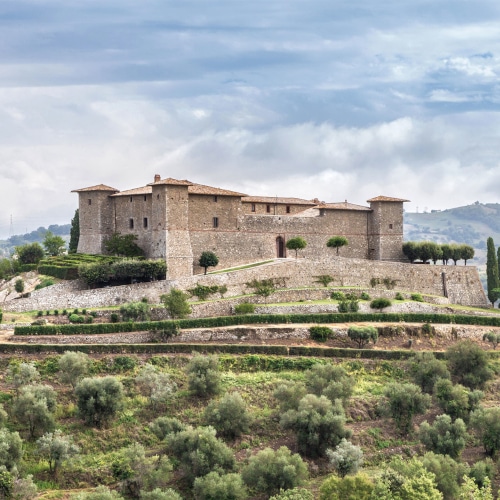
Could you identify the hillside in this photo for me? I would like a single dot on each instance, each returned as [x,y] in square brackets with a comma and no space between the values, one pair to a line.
[471,224]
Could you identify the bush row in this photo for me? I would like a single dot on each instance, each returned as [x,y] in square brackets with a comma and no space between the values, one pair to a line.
[61,272]
[171,325]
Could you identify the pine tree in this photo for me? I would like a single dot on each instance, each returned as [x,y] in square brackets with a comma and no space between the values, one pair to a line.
[493,281]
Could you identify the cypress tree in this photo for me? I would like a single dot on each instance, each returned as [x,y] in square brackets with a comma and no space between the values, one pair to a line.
[493,281]
[74,232]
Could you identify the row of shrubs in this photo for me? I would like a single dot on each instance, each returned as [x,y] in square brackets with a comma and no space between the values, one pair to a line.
[175,325]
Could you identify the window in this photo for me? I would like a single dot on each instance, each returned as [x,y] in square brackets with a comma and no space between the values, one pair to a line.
[131,223]
[131,199]
[90,201]
[268,209]
[288,209]
[253,207]
[145,222]
[215,221]
[157,196]
[215,199]
[390,226]
[144,197]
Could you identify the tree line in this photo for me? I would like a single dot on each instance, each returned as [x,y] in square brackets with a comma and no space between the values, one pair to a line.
[426,251]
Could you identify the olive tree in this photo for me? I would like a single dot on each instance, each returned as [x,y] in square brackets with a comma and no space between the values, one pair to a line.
[56,448]
[486,422]
[22,374]
[347,458]
[215,486]
[176,303]
[331,381]
[203,375]
[157,386]
[73,365]
[444,436]
[469,364]
[99,399]
[228,416]
[427,370]
[362,335]
[11,449]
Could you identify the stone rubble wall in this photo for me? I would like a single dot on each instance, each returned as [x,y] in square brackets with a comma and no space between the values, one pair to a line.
[462,283]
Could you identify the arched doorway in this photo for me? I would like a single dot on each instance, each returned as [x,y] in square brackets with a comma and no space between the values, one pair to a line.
[280,247]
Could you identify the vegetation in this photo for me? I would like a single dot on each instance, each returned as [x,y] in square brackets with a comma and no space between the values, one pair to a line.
[135,311]
[468,364]
[358,487]
[346,458]
[493,338]
[324,279]
[337,242]
[53,244]
[74,232]
[320,333]
[427,370]
[380,303]
[297,243]
[176,303]
[429,250]
[362,335]
[228,416]
[19,285]
[123,245]
[203,375]
[244,308]
[73,367]
[444,436]
[31,253]
[208,259]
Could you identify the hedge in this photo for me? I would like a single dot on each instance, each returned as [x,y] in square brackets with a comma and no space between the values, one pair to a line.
[172,325]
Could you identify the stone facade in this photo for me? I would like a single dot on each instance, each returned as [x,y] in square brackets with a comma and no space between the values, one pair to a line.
[177,220]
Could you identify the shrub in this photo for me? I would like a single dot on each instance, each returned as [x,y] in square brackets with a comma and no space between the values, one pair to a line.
[293,494]
[444,436]
[362,335]
[176,303]
[364,296]
[136,471]
[487,424]
[214,486]
[289,395]
[471,490]
[427,329]
[203,375]
[263,288]
[157,494]
[114,318]
[228,416]
[468,363]
[324,279]
[30,254]
[320,333]
[244,308]
[19,285]
[331,381]
[21,374]
[200,452]
[346,458]
[399,296]
[456,400]
[416,297]
[318,424]
[135,311]
[124,363]
[156,385]
[100,493]
[11,450]
[380,303]
[99,399]
[448,473]
[164,426]
[427,370]
[73,366]
[482,471]
[493,338]
[337,295]
[76,318]
[358,487]
[404,401]
[202,291]
[271,471]
[39,314]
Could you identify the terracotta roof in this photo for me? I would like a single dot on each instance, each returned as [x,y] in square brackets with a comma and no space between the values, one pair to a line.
[386,198]
[172,182]
[130,192]
[201,189]
[99,187]
[344,205]
[274,199]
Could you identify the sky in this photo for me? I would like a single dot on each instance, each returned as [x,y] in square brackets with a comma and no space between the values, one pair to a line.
[328,99]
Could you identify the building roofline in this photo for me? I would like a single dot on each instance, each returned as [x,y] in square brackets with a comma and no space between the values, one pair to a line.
[99,187]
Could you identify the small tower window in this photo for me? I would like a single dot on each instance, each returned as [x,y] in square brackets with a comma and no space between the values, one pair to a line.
[215,199]
[268,209]
[390,226]
[90,201]
[144,197]
[253,207]
[131,223]
[215,222]
[288,209]
[157,196]
[145,222]
[131,199]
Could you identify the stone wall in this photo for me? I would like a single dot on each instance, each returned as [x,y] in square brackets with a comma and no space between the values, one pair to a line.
[462,283]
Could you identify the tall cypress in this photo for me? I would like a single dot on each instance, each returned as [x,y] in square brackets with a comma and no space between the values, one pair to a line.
[492,273]
[74,232]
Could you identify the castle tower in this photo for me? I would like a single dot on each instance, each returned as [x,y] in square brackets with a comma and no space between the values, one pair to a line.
[96,214]
[170,226]
[385,228]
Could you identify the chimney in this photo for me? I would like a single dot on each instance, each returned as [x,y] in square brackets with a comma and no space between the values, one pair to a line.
[157,177]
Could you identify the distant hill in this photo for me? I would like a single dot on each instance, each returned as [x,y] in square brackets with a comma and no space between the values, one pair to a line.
[7,246]
[471,224]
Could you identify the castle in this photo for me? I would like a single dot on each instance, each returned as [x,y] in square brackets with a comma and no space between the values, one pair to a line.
[177,220]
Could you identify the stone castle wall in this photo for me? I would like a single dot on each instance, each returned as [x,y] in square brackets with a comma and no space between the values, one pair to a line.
[462,283]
